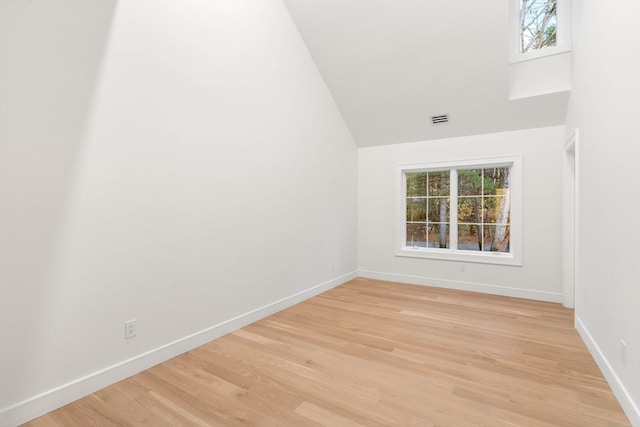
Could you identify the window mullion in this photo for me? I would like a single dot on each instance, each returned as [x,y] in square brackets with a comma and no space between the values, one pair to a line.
[453,209]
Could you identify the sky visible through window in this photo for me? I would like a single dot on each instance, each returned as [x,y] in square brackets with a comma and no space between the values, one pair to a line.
[538,24]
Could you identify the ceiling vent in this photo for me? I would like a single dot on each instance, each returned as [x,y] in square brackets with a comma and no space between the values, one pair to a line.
[443,118]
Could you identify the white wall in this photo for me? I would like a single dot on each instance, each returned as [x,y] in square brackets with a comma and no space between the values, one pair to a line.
[540,76]
[605,107]
[181,163]
[539,277]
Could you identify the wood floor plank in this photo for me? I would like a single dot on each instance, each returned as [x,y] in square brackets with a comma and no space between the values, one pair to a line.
[373,353]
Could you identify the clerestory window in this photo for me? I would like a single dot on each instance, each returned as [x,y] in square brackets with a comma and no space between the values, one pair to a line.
[538,24]
[539,28]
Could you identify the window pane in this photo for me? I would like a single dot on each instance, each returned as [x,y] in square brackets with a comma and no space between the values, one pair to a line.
[416,209]
[470,182]
[469,237]
[538,22]
[496,238]
[417,235]
[439,209]
[490,209]
[495,210]
[417,184]
[469,209]
[496,181]
[438,235]
[439,183]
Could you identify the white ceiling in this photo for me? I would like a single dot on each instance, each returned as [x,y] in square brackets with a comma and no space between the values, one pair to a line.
[392,64]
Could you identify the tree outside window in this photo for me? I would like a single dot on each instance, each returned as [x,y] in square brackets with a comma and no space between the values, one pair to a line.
[484,209]
[481,207]
[538,24]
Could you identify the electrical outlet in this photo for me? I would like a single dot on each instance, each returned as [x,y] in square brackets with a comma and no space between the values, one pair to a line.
[333,266]
[463,268]
[130,327]
[623,352]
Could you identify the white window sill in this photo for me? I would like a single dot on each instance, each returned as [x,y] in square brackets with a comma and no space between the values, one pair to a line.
[514,58]
[496,258]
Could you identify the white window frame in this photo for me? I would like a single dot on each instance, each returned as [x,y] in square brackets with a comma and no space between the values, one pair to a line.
[514,257]
[563,33]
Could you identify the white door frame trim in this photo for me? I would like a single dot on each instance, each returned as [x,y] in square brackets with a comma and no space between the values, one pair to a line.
[570,205]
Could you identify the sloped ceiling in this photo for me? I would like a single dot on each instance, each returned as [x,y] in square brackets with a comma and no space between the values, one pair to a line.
[392,64]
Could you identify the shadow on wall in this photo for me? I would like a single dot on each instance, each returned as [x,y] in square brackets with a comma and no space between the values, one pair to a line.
[51,55]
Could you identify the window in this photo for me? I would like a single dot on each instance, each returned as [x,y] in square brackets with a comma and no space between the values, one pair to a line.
[538,24]
[539,28]
[484,209]
[467,211]
[428,207]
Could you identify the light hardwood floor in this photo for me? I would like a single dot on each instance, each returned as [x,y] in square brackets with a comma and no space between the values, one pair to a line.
[373,353]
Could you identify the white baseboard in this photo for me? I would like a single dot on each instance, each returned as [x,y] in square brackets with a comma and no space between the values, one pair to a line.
[629,407]
[74,390]
[465,286]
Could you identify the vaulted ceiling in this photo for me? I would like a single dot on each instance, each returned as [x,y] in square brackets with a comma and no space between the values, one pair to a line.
[392,64]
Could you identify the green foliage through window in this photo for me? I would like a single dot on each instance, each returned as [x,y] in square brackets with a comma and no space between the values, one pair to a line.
[428,206]
[482,209]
